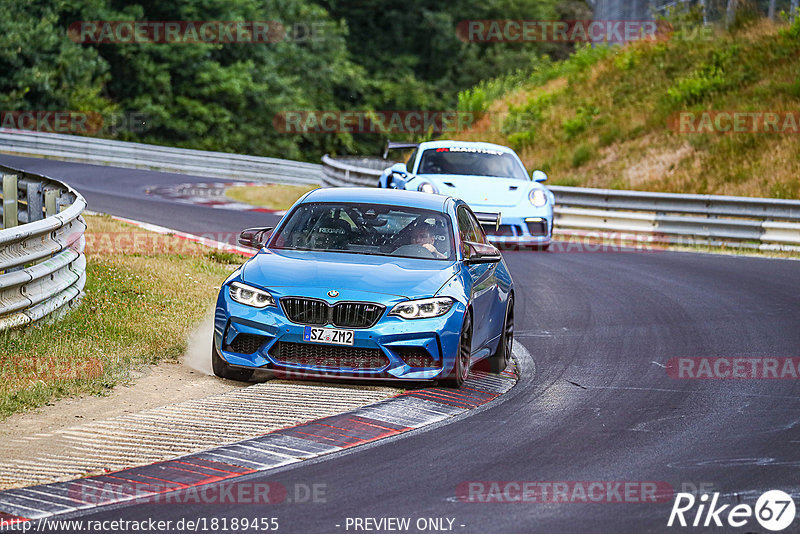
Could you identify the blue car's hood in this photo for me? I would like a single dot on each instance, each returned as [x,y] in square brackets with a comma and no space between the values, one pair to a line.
[347,273]
[481,190]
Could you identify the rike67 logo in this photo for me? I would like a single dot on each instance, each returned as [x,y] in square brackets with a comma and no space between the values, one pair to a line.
[774,511]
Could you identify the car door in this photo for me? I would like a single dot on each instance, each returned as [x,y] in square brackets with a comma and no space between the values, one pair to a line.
[483,278]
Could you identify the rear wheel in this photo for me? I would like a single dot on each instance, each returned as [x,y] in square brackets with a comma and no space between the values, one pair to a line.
[461,367]
[499,360]
[223,370]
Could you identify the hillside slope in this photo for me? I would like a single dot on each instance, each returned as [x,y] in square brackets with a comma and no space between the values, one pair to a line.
[611,118]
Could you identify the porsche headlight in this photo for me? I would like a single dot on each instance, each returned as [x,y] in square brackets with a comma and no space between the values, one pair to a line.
[250,296]
[538,198]
[423,308]
[427,187]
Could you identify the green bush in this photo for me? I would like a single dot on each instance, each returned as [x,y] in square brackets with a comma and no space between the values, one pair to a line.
[473,100]
[609,136]
[578,124]
[582,155]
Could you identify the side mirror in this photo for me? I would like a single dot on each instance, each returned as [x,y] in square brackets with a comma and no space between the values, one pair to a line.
[398,174]
[481,253]
[254,237]
[539,176]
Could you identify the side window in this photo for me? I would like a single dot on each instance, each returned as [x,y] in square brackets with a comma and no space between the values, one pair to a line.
[466,230]
[411,159]
[480,235]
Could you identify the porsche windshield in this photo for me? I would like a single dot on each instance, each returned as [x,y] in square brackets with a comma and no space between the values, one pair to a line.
[367,229]
[472,162]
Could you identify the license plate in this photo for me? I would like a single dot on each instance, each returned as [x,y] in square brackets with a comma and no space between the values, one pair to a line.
[333,336]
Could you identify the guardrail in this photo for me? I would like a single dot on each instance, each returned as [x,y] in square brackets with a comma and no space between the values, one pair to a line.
[349,171]
[666,217]
[153,157]
[42,266]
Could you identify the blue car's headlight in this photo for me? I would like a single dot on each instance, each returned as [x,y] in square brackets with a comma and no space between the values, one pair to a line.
[423,308]
[250,296]
[427,187]
[538,198]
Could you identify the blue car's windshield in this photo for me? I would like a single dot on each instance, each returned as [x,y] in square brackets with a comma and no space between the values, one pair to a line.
[367,229]
[471,161]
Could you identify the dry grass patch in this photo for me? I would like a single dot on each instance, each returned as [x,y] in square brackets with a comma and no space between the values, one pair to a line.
[270,196]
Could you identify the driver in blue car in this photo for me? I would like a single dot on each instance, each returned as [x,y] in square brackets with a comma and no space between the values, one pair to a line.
[424,236]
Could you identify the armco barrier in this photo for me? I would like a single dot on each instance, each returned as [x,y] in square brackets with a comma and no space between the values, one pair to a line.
[351,171]
[153,157]
[42,266]
[671,218]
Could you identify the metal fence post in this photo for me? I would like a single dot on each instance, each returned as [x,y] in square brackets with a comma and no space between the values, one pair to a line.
[10,201]
[35,201]
[50,196]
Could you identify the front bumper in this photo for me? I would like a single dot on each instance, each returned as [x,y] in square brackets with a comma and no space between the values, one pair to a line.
[384,347]
[521,231]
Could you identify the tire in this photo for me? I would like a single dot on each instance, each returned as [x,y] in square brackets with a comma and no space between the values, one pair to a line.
[499,360]
[223,370]
[461,368]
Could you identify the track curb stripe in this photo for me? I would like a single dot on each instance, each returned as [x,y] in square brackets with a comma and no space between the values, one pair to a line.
[407,411]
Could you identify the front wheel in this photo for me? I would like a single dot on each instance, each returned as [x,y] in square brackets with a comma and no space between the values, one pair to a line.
[461,367]
[223,370]
[499,360]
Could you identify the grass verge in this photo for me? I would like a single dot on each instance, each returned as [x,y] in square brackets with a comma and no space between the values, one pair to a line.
[270,196]
[144,294]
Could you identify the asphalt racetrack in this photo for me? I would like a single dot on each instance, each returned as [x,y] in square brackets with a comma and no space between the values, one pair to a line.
[595,402]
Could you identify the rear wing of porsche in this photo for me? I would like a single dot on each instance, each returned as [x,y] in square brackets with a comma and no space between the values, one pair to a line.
[397,145]
[489,219]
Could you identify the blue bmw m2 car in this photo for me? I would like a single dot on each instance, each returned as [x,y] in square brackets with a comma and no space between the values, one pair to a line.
[367,284]
[490,178]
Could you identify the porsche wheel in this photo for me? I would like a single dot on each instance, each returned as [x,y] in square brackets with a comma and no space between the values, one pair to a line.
[461,367]
[499,360]
[223,370]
